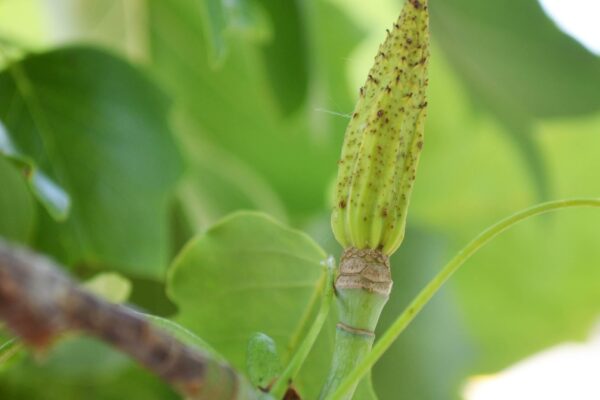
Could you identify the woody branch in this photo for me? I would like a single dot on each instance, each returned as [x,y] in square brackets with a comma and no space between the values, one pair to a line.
[39,303]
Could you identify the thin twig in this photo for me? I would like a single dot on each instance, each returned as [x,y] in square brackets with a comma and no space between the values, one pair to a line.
[39,303]
[281,385]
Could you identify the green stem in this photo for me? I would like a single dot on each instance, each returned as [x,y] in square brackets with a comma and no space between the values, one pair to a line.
[435,284]
[362,290]
[349,349]
[280,387]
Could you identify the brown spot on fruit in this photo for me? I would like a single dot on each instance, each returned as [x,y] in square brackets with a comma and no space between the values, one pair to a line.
[375,81]
[291,394]
[416,3]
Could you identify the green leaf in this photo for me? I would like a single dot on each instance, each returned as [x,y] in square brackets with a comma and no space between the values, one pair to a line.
[83,357]
[327,23]
[30,380]
[518,65]
[222,20]
[245,274]
[262,361]
[510,54]
[98,127]
[282,41]
[285,54]
[218,183]
[533,288]
[234,107]
[17,211]
[56,201]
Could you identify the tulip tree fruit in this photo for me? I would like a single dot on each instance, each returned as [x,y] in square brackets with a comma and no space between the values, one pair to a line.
[376,175]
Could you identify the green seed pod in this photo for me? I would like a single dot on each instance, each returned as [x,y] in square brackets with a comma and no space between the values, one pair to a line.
[384,139]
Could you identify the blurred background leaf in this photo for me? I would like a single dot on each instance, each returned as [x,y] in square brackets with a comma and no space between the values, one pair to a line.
[100,127]
[53,197]
[219,183]
[17,209]
[436,350]
[234,108]
[81,368]
[285,54]
[512,56]
[517,65]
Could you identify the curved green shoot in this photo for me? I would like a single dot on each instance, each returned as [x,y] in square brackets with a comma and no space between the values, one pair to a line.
[436,283]
[279,388]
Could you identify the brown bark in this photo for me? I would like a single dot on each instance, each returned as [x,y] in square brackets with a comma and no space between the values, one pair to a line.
[39,303]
